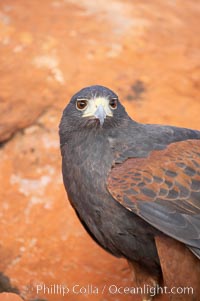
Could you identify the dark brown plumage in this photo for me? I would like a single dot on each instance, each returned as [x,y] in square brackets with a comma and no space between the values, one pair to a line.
[135,187]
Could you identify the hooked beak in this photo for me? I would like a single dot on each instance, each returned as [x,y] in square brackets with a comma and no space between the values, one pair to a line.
[99,109]
[100,114]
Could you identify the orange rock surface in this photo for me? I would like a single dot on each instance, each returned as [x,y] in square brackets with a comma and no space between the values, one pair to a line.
[148,52]
[9,297]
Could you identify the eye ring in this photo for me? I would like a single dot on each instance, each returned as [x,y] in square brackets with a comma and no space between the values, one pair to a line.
[113,103]
[81,104]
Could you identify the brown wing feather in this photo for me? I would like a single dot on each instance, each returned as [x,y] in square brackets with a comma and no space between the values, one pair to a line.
[170,174]
[163,188]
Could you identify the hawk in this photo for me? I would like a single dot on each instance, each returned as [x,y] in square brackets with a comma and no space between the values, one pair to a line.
[135,187]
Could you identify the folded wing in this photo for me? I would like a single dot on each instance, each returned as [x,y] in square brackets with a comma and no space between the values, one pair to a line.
[164,190]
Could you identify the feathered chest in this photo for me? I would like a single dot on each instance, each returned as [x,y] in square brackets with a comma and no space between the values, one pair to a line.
[85,167]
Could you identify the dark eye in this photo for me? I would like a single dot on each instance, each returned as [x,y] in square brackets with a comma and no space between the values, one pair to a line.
[113,103]
[81,104]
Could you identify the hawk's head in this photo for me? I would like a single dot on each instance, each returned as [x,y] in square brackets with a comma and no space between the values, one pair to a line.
[93,107]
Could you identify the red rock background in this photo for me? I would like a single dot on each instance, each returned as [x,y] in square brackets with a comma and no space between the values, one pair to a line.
[148,52]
